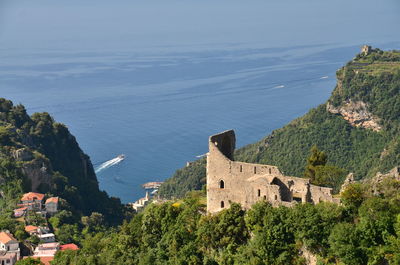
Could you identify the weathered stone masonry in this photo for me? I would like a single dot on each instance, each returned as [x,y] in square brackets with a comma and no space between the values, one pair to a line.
[231,181]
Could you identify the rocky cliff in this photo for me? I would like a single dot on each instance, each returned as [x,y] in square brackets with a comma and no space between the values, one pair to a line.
[357,114]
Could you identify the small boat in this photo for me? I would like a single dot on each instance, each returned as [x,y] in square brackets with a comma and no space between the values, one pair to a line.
[121,156]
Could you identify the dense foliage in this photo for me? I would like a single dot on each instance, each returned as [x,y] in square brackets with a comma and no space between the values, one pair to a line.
[365,230]
[37,145]
[373,79]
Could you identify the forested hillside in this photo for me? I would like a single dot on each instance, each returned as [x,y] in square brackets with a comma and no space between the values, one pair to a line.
[358,128]
[39,154]
[364,230]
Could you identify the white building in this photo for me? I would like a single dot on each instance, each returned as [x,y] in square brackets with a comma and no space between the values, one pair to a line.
[141,203]
[46,249]
[52,205]
[47,238]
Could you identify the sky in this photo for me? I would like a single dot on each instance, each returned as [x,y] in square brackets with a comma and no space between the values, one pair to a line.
[102,25]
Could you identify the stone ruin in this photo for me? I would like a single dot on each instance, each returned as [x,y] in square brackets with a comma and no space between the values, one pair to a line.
[230,181]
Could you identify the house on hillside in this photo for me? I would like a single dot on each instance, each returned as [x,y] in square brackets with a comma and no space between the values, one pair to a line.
[32,230]
[47,238]
[33,201]
[52,205]
[20,212]
[8,242]
[141,203]
[7,258]
[46,249]
[9,248]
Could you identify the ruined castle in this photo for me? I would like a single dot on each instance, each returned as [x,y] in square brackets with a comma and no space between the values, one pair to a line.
[230,181]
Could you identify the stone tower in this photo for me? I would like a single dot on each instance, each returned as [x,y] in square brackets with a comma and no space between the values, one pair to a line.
[366,49]
[231,181]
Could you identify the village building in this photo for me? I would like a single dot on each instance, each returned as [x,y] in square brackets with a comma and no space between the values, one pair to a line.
[33,201]
[230,181]
[7,258]
[43,230]
[141,203]
[8,242]
[32,230]
[20,212]
[47,238]
[46,249]
[52,205]
[9,249]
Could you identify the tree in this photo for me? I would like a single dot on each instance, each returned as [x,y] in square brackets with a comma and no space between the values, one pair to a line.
[353,196]
[329,176]
[393,242]
[35,219]
[93,220]
[29,261]
[317,158]
[344,242]
[225,230]
[376,219]
[275,242]
[68,233]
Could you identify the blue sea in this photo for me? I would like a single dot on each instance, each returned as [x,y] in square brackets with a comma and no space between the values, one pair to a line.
[153,79]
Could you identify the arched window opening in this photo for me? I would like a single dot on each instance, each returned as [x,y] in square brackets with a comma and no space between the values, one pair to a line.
[241,168]
[269,171]
[221,184]
[255,170]
[265,197]
[259,193]
[276,197]
[222,204]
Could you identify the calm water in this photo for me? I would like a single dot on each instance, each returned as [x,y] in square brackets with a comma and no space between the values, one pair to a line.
[154,80]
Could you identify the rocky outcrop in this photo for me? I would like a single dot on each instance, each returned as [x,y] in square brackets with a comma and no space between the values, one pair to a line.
[310,258]
[22,154]
[39,174]
[349,180]
[380,178]
[38,170]
[357,114]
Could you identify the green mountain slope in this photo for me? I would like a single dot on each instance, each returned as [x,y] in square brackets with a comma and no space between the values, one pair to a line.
[358,128]
[39,154]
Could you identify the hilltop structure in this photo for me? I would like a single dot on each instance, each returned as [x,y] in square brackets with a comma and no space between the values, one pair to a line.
[366,49]
[230,181]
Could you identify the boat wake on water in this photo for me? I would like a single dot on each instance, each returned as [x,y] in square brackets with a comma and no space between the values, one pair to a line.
[110,163]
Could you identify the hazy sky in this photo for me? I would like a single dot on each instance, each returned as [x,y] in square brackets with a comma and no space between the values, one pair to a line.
[89,24]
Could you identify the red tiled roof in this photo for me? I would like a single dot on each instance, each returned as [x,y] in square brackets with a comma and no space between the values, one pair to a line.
[30,196]
[6,237]
[52,199]
[44,260]
[71,246]
[30,228]
[20,209]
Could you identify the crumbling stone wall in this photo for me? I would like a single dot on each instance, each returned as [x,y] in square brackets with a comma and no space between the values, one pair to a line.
[231,181]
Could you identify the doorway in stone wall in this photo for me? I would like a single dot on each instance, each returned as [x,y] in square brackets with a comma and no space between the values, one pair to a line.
[283,190]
